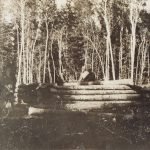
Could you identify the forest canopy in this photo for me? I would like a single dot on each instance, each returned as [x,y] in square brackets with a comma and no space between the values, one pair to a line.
[38,40]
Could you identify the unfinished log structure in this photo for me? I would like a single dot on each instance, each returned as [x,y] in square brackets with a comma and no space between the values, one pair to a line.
[77,97]
[105,91]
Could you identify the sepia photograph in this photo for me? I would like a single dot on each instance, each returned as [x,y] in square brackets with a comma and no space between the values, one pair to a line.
[74,74]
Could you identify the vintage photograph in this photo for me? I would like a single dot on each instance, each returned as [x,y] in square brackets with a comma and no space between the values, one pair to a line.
[74,74]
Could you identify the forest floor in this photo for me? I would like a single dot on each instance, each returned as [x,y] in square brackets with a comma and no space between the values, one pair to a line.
[111,128]
[126,128]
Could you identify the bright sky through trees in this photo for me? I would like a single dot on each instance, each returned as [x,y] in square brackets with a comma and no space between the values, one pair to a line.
[60,3]
[148,6]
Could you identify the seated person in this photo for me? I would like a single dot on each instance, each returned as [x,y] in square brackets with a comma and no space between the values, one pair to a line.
[90,77]
[86,76]
[83,74]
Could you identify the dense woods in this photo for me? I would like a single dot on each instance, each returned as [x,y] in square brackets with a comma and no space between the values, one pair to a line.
[39,41]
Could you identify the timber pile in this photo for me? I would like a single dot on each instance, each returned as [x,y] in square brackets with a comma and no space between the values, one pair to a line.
[77,97]
[98,82]
[86,96]
[97,91]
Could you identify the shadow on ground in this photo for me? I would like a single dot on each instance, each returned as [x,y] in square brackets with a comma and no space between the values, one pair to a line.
[119,129]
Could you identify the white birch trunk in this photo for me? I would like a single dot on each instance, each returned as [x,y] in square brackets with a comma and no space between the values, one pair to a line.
[102,65]
[45,55]
[39,68]
[108,44]
[120,53]
[21,50]
[60,53]
[148,67]
[53,62]
[143,60]
[138,60]
[134,14]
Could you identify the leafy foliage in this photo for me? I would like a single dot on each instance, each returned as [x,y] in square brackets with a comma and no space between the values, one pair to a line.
[79,33]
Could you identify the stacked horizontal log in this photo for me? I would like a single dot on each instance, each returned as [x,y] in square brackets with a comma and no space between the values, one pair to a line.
[85,97]
[75,97]
[95,92]
[98,82]
[93,87]
[81,97]
[91,92]
[101,97]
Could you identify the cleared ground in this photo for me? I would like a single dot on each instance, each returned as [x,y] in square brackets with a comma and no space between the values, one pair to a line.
[116,128]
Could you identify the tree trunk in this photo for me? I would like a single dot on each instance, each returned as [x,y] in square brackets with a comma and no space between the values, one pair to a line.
[134,14]
[148,67]
[143,60]
[86,55]
[49,71]
[23,38]
[53,62]
[32,57]
[45,55]
[107,60]
[102,65]
[138,60]
[93,60]
[27,60]
[21,50]
[120,53]
[108,44]
[19,60]
[39,68]
[60,54]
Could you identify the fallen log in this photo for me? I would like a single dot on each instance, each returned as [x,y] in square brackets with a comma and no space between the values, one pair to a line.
[38,111]
[98,82]
[100,97]
[94,87]
[118,82]
[90,92]
[85,106]
[100,105]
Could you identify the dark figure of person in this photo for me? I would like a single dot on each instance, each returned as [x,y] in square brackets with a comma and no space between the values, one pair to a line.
[90,77]
[86,75]
[83,74]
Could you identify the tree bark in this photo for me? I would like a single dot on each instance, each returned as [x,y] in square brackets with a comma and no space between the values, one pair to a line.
[53,62]
[134,14]
[120,53]
[46,48]
[108,44]
[148,67]
[60,53]
[102,65]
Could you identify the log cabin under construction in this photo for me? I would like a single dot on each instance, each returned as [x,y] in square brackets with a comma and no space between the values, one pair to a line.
[93,95]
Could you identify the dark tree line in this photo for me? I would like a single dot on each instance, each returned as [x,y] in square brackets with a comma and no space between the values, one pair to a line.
[112,37]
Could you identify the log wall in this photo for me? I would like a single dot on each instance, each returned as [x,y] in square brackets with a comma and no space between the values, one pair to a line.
[95,92]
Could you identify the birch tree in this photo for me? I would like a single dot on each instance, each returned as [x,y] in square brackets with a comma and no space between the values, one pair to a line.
[21,51]
[134,8]
[103,8]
